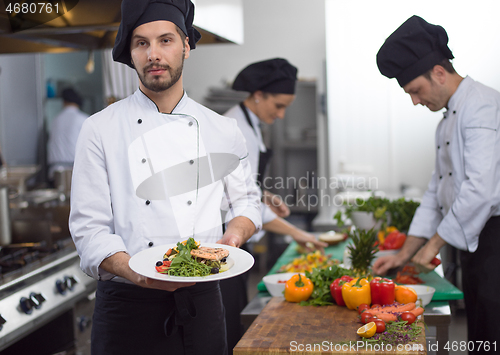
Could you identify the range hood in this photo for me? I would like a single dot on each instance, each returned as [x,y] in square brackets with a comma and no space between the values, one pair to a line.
[93,24]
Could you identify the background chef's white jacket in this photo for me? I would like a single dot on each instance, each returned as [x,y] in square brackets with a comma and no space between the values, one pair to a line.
[142,177]
[63,136]
[255,145]
[464,191]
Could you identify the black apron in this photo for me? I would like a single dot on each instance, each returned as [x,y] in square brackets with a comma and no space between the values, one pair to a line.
[131,320]
[264,157]
[481,287]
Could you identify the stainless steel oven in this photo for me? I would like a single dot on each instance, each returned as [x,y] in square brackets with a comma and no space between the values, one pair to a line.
[46,301]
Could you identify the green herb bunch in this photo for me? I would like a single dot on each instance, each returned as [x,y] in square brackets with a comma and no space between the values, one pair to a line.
[363,250]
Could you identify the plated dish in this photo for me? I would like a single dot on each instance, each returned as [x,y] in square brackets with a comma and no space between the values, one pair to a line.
[144,263]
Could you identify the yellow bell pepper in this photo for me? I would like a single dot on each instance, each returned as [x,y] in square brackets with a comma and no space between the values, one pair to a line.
[356,292]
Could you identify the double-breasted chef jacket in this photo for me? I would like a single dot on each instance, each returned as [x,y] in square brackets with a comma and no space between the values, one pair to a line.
[464,191]
[144,178]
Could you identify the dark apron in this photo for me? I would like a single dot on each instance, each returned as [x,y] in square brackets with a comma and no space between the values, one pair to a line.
[131,320]
[481,286]
[264,157]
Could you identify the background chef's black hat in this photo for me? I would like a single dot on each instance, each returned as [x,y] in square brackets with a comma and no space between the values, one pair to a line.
[274,76]
[412,50]
[70,95]
[139,12]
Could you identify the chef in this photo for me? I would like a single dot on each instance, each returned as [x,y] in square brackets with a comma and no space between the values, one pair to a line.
[64,132]
[461,206]
[155,169]
[271,87]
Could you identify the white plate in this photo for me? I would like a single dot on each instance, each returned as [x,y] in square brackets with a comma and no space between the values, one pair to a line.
[144,263]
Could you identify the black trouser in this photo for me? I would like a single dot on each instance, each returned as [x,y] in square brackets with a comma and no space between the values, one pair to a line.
[234,297]
[481,287]
[130,320]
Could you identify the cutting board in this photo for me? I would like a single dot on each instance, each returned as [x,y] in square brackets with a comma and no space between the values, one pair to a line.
[284,327]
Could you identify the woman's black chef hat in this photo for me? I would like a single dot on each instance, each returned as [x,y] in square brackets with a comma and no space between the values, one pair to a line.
[412,50]
[139,12]
[275,76]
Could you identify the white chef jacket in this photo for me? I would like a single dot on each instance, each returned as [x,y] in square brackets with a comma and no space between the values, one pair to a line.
[255,145]
[144,178]
[63,136]
[464,191]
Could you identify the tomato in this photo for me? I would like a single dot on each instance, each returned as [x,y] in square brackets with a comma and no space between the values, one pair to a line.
[408,316]
[380,325]
[162,269]
[394,240]
[371,319]
[365,316]
[362,307]
[376,305]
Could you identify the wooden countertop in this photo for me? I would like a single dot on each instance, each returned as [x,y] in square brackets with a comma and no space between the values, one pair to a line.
[284,327]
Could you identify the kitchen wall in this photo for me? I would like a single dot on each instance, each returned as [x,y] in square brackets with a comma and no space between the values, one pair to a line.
[21,119]
[292,29]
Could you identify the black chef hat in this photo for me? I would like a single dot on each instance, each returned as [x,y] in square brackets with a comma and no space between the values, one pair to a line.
[412,50]
[274,75]
[139,12]
[70,95]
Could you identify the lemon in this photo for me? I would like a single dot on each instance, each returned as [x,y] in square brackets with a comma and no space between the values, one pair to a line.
[368,330]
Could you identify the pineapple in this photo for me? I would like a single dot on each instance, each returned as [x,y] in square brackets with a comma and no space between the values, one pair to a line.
[363,250]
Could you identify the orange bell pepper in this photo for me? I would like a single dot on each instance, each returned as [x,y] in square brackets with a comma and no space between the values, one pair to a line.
[299,288]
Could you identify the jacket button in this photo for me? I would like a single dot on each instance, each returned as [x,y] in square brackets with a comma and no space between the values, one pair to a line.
[139,121]
[189,203]
[190,124]
[148,202]
[143,160]
[450,174]
[150,244]
[447,143]
[441,207]
[454,112]
[191,162]
[439,146]
[441,177]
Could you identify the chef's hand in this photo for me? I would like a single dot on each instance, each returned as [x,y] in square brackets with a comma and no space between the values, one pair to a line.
[308,241]
[386,263]
[118,264]
[238,231]
[276,204]
[427,253]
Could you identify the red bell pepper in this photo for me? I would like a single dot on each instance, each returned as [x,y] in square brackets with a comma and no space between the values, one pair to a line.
[394,240]
[382,290]
[336,289]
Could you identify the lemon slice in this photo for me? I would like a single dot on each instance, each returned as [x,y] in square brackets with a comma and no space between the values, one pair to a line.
[368,330]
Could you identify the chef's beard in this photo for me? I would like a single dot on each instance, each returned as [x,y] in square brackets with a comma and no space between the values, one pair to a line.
[155,84]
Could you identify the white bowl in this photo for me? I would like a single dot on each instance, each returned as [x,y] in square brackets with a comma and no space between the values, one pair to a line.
[366,221]
[274,287]
[424,293]
[332,237]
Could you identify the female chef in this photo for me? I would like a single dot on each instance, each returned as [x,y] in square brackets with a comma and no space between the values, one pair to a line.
[271,87]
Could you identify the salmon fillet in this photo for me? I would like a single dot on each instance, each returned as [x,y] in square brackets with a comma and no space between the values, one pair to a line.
[210,253]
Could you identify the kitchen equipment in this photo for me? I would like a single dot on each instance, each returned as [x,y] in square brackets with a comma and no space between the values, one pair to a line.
[62,180]
[5,225]
[282,325]
[42,290]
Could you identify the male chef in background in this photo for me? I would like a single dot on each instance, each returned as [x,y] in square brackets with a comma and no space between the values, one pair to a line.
[461,206]
[152,170]
[64,132]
